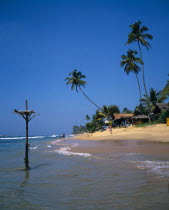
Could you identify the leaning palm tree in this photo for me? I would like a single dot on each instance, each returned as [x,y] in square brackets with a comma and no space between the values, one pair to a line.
[138,35]
[129,62]
[76,80]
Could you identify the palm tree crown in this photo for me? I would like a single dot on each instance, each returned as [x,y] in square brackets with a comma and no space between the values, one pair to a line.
[76,80]
[138,34]
[130,62]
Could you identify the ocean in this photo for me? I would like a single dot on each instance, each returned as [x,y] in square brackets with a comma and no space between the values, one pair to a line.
[73,174]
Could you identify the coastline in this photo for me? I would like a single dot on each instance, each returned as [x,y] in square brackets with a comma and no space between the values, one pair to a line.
[159,132]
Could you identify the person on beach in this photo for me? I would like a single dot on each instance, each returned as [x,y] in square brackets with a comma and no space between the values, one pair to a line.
[62,136]
[110,129]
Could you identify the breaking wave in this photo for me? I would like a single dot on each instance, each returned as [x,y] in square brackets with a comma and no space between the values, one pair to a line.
[66,151]
[156,167]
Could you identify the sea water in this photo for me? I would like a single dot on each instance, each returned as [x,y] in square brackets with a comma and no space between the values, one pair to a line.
[61,177]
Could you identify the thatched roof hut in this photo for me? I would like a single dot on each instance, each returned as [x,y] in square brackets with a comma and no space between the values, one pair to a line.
[122,116]
[162,106]
[140,117]
[122,119]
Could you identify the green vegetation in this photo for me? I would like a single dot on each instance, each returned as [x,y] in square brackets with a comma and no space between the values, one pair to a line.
[131,64]
[165,91]
[154,98]
[146,124]
[107,112]
[126,111]
[79,129]
[164,115]
[98,119]
[139,35]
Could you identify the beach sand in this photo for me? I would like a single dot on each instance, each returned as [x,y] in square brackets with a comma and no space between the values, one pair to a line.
[152,139]
[159,132]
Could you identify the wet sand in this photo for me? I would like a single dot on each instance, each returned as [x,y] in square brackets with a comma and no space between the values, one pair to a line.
[159,132]
[123,146]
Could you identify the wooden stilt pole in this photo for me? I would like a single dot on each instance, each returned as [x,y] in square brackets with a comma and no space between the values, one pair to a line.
[26,146]
[27,116]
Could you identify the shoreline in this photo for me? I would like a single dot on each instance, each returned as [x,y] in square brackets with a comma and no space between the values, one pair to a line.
[159,132]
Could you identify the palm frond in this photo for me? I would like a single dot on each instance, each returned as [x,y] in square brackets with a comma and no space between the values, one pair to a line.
[145,43]
[72,87]
[131,38]
[143,29]
[147,36]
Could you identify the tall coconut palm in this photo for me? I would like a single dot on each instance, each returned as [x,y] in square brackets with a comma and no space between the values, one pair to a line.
[138,34]
[129,62]
[76,81]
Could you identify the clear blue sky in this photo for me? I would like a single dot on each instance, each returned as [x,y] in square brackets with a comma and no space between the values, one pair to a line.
[41,41]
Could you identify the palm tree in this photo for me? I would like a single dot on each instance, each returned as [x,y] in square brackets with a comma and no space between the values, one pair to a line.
[154,97]
[165,91]
[76,80]
[138,35]
[107,112]
[87,117]
[130,62]
[127,111]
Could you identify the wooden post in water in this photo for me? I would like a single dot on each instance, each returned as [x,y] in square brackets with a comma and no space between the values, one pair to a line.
[26,114]
[27,144]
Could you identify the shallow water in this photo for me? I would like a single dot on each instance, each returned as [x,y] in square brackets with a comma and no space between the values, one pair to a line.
[66,174]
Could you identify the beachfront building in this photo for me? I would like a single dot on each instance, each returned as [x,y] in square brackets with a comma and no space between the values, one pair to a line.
[140,119]
[161,107]
[122,119]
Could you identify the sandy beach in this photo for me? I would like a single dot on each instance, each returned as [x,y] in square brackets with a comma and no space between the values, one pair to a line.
[159,132]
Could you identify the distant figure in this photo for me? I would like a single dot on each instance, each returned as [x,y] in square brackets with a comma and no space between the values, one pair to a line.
[62,136]
[110,129]
[103,128]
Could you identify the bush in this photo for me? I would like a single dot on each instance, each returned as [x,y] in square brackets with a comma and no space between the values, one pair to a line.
[156,117]
[163,117]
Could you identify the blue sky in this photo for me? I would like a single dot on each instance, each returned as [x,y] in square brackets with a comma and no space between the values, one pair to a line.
[41,41]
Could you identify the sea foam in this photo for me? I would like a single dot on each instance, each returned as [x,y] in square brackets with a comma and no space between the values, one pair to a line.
[66,151]
[156,167]
[33,147]
[15,138]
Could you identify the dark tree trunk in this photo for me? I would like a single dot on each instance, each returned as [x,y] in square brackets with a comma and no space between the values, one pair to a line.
[144,84]
[138,86]
[27,146]
[90,99]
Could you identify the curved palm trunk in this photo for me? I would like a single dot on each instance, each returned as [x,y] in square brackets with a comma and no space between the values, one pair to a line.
[144,84]
[90,99]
